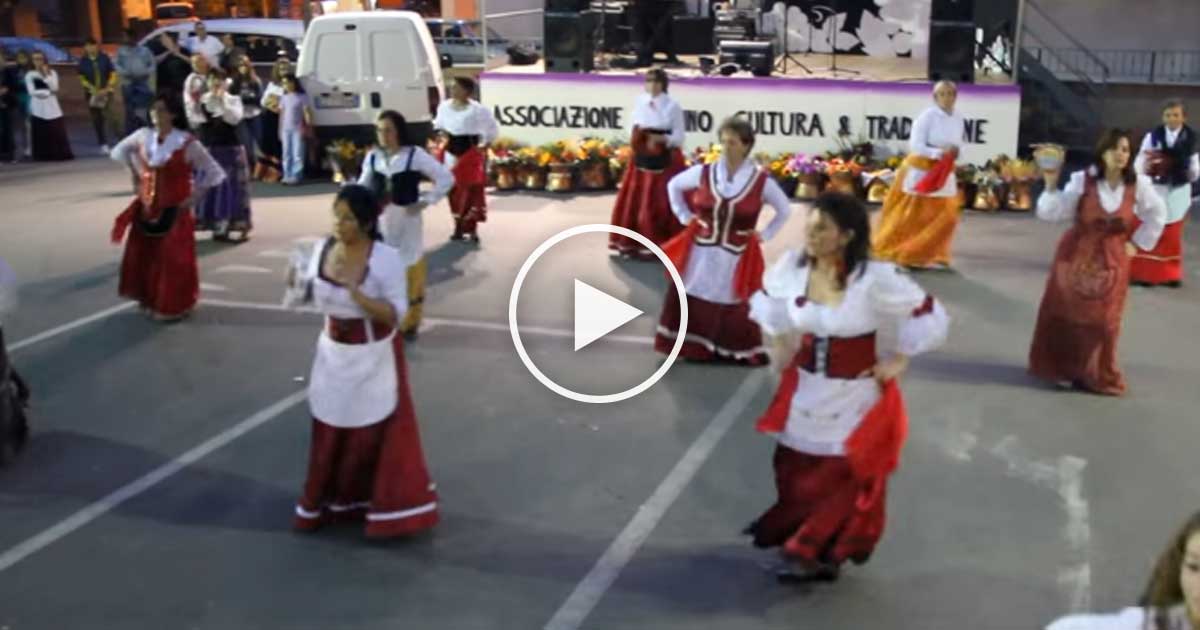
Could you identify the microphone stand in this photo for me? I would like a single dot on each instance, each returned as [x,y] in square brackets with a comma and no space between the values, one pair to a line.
[833,47]
[782,66]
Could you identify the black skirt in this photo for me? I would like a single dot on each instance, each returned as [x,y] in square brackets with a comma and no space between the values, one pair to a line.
[49,139]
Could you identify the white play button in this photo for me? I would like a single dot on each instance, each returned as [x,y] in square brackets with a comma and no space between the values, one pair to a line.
[598,313]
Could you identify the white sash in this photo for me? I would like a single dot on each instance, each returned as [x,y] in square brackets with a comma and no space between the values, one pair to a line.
[353,385]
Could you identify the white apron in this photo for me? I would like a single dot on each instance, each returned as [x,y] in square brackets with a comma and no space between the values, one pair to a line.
[353,385]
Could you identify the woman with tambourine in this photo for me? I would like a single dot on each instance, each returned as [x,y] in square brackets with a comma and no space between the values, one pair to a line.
[642,203]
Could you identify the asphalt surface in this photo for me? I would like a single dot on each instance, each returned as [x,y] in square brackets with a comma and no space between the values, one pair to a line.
[1014,502]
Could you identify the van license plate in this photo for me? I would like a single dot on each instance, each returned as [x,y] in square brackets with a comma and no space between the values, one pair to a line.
[337,101]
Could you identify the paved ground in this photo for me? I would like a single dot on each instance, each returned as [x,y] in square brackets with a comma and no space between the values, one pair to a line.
[1014,503]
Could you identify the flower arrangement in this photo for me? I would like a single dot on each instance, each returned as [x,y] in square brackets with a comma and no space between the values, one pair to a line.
[595,151]
[708,155]
[619,162]
[840,166]
[988,178]
[1019,171]
[504,152]
[346,158]
[802,164]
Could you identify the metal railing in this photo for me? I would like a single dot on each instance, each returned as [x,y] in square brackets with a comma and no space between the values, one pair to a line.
[1175,67]
[1066,34]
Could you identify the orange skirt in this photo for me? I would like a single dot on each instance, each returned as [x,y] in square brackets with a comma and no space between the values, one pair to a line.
[916,231]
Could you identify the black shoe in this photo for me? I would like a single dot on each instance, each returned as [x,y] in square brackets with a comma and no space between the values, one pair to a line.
[821,573]
[1174,284]
[1139,283]
[749,530]
[473,238]
[457,236]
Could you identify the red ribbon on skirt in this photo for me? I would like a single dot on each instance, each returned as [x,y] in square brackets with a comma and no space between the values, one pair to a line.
[122,222]
[935,178]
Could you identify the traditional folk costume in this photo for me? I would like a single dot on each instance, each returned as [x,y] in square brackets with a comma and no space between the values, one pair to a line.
[47,126]
[1174,618]
[720,259]
[1079,320]
[469,127]
[14,394]
[642,202]
[159,268]
[226,208]
[270,163]
[194,89]
[396,182]
[921,210]
[839,433]
[1171,158]
[365,460]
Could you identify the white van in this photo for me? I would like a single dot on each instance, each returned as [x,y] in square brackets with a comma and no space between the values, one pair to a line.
[357,64]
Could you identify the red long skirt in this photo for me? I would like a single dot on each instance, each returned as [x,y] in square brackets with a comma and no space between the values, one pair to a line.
[1163,264]
[468,201]
[815,517]
[715,332]
[375,474]
[160,272]
[644,207]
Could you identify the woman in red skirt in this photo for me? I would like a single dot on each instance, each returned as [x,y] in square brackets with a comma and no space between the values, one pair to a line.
[642,203]
[1169,155]
[174,171]
[838,415]
[468,126]
[1114,212]
[365,461]
[718,254]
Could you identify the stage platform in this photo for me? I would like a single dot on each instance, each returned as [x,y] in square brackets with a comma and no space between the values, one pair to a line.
[796,112]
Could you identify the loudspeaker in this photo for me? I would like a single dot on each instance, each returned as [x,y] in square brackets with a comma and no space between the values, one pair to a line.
[570,41]
[757,57]
[953,11]
[951,53]
[692,35]
[567,6]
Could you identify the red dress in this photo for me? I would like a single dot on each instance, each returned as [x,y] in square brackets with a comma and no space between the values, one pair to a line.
[1079,320]
[158,269]
[642,203]
[722,233]
[468,203]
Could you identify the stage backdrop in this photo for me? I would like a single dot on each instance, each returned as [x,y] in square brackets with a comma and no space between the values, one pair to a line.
[882,28]
[805,116]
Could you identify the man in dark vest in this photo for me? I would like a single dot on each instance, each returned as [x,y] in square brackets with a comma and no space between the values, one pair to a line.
[1168,155]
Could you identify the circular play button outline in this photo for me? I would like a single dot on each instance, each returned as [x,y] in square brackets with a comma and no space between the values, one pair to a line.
[516,334]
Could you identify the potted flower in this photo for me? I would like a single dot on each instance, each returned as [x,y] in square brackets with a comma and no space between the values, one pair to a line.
[988,184]
[346,159]
[531,167]
[965,176]
[779,167]
[619,162]
[843,175]
[565,157]
[810,171]
[594,172]
[878,183]
[503,162]
[1019,175]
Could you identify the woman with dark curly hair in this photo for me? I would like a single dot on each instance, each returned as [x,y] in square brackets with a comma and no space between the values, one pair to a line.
[365,461]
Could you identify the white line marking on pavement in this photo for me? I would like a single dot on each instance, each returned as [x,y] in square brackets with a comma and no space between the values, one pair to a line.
[587,593]
[432,321]
[274,253]
[69,326]
[242,269]
[1064,477]
[215,288]
[151,479]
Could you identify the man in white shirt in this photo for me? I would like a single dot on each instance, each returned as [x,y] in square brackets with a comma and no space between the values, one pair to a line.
[204,44]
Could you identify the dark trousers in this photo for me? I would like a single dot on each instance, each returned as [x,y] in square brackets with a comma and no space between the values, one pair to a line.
[99,122]
[8,122]
[137,96]
[652,29]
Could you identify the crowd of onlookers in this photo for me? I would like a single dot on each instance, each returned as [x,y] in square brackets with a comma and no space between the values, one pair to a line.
[227,104]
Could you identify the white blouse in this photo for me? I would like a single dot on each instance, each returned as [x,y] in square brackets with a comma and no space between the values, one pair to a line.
[1062,205]
[273,89]
[386,279]
[473,120]
[403,228]
[1179,199]
[194,89]
[142,150]
[933,132]
[659,112]
[44,103]
[710,270]
[1128,619]
[825,411]
[228,108]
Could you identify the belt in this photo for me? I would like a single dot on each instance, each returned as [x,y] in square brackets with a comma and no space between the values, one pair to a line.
[836,357]
[355,331]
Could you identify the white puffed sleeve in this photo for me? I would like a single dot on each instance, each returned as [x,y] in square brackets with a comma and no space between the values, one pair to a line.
[8,289]
[778,200]
[923,321]
[1056,205]
[1151,208]
[782,283]
[919,138]
[206,172]
[130,146]
[390,273]
[678,188]
[1128,619]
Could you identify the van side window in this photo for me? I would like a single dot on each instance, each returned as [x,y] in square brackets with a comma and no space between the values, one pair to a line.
[337,57]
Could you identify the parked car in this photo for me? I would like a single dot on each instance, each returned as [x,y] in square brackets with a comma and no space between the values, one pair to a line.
[54,54]
[357,64]
[262,39]
[463,42]
[169,13]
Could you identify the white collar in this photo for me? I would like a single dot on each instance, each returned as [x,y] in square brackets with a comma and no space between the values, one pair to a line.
[158,153]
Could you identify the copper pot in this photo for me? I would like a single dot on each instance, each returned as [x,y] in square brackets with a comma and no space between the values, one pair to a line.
[843,182]
[561,179]
[506,178]
[533,179]
[986,199]
[1020,196]
[877,191]
[595,176]
[808,186]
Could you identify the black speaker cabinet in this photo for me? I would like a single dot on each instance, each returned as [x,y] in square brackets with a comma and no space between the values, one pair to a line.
[692,35]
[570,41]
[757,57]
[952,53]
[953,11]
[567,6]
